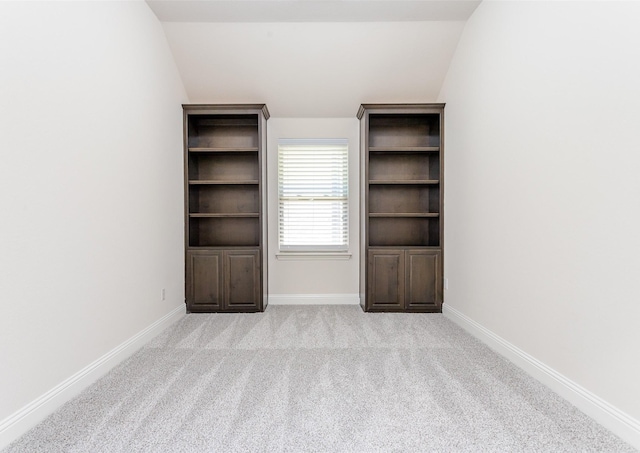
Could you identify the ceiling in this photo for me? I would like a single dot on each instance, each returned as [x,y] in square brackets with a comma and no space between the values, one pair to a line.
[308,58]
[311,10]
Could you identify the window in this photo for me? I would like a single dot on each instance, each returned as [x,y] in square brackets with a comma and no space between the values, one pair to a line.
[313,195]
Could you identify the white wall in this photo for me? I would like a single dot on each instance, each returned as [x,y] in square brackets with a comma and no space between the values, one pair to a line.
[90,187]
[543,194]
[311,280]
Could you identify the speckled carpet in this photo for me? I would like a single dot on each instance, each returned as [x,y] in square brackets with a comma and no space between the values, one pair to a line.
[317,379]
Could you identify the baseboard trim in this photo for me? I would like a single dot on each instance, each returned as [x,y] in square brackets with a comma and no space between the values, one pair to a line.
[14,426]
[314,299]
[609,416]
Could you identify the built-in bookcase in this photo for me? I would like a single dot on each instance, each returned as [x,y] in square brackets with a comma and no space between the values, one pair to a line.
[225,202]
[402,211]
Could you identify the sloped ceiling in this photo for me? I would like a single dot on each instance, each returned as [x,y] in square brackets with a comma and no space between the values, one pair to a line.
[311,10]
[308,58]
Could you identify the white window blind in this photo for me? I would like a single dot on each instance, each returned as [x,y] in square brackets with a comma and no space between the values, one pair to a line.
[313,195]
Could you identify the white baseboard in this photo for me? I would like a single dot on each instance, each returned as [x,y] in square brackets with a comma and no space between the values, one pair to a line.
[314,299]
[609,416]
[14,426]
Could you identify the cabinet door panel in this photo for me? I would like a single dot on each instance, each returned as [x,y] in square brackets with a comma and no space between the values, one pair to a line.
[423,279]
[204,285]
[386,276]
[242,279]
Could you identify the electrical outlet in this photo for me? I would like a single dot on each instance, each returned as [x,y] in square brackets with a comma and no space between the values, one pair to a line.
[162,294]
[446,284]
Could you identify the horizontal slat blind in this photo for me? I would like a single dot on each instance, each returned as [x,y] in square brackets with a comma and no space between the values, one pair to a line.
[313,195]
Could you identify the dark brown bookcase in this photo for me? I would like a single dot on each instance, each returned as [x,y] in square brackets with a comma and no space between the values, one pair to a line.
[401,212]
[225,202]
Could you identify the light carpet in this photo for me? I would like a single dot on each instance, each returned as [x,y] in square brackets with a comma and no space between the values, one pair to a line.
[317,379]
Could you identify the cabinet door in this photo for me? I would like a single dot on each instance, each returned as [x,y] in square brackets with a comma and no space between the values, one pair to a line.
[423,284]
[204,284]
[242,280]
[386,274]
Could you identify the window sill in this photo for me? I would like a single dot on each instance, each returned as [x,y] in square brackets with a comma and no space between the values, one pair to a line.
[304,256]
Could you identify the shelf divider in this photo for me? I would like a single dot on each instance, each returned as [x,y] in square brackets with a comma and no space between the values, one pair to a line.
[405,214]
[404,149]
[223,214]
[405,181]
[222,182]
[224,150]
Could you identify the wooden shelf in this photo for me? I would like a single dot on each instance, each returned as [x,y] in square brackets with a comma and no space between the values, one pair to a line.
[403,149]
[223,214]
[224,155]
[402,157]
[224,150]
[404,214]
[219,181]
[408,247]
[403,231]
[230,231]
[223,247]
[234,166]
[405,181]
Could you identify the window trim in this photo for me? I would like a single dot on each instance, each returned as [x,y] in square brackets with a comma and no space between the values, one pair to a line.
[312,256]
